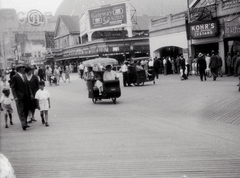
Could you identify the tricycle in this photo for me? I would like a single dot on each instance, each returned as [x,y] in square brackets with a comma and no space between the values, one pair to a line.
[110,88]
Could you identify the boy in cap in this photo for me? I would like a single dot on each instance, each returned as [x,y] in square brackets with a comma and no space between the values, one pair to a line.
[5,105]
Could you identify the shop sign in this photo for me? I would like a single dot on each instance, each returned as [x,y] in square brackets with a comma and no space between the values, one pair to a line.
[203,29]
[33,17]
[232,29]
[230,3]
[108,34]
[108,16]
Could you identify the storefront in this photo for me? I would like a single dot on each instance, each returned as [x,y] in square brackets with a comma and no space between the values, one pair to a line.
[168,36]
[232,35]
[204,37]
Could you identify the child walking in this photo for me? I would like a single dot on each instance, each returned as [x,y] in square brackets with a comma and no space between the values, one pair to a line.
[5,106]
[43,98]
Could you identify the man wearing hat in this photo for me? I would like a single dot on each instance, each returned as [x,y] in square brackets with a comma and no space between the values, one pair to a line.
[109,74]
[213,65]
[21,94]
[201,66]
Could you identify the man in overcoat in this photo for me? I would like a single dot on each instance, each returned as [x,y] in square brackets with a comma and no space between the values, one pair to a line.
[156,66]
[201,66]
[21,94]
[237,68]
[213,65]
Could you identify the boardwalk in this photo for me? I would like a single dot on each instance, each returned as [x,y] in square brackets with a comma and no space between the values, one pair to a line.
[172,129]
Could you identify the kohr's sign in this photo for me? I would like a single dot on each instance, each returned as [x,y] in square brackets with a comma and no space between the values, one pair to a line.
[203,29]
[108,16]
[33,17]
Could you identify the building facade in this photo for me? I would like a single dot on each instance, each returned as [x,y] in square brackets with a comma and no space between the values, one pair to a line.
[206,26]
[23,37]
[117,37]
[168,36]
[214,25]
[8,47]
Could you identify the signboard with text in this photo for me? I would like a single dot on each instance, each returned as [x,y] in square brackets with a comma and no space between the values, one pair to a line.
[108,16]
[232,29]
[203,29]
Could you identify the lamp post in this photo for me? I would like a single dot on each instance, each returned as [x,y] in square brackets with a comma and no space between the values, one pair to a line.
[3,54]
[123,35]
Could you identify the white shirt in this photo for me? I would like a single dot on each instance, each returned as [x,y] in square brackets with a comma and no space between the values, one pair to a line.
[150,63]
[42,94]
[81,67]
[109,75]
[5,100]
[124,68]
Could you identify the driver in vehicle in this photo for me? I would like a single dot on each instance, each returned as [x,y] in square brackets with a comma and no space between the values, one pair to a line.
[109,74]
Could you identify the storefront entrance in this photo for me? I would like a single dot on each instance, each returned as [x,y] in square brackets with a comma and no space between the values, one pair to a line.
[206,48]
[171,51]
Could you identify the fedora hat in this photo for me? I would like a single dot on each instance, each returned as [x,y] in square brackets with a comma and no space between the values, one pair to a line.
[20,64]
[200,55]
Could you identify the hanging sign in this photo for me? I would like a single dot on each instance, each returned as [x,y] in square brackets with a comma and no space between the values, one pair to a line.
[34,17]
[232,29]
[108,16]
[203,29]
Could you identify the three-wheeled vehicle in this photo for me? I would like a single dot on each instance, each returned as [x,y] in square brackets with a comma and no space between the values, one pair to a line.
[111,88]
[142,76]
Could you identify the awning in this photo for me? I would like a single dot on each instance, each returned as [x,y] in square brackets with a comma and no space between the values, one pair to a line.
[77,57]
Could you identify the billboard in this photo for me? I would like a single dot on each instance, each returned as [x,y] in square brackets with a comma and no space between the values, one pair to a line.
[232,29]
[203,29]
[108,16]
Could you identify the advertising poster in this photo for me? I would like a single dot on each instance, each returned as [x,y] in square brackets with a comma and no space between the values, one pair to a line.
[232,29]
[108,16]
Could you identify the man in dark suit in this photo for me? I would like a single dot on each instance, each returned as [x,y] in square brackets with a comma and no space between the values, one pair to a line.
[201,66]
[21,94]
[213,65]
[156,66]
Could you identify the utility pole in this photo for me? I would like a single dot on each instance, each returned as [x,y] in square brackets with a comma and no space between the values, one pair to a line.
[190,39]
[124,51]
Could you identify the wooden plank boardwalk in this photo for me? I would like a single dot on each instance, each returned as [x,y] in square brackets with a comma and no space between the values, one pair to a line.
[174,129]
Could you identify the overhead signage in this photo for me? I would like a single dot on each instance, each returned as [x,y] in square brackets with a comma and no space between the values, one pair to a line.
[232,29]
[203,29]
[108,16]
[33,17]
[230,3]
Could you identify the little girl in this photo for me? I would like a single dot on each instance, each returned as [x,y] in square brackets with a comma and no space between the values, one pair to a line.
[43,98]
[5,105]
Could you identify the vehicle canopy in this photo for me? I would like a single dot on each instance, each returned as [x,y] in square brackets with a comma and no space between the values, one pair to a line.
[101,61]
[141,58]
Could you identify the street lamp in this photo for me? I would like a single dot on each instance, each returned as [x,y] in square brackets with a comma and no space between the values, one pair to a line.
[123,35]
[3,54]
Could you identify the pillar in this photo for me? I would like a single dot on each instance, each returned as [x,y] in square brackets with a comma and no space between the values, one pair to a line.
[222,54]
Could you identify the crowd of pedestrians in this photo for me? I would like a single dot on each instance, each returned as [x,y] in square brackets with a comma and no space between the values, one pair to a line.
[25,85]
[24,88]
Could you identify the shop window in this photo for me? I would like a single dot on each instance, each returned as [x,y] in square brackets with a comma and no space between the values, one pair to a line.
[115,49]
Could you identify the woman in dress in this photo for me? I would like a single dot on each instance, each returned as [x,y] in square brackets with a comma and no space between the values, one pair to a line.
[33,82]
[67,74]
